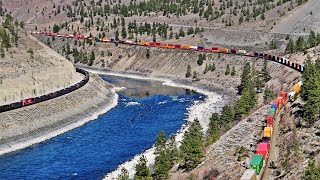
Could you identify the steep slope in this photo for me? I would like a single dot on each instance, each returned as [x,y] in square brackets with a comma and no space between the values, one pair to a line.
[24,75]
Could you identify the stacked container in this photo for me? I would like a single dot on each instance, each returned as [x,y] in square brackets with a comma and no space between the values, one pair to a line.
[263,149]
[257,163]
[267,132]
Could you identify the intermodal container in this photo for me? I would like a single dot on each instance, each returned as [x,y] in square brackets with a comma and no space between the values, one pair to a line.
[200,48]
[233,51]
[263,149]
[285,96]
[296,88]
[256,163]
[267,132]
[207,50]
[249,174]
[186,46]
[281,101]
[158,44]
[270,119]
[272,111]
[152,43]
[177,46]
[170,46]
[256,54]
[224,50]
[215,49]
[193,47]
[274,58]
[128,42]
[242,52]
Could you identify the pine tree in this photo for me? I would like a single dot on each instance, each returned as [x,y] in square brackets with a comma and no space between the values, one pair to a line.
[300,44]
[312,172]
[227,115]
[92,58]
[213,67]
[290,47]
[117,35]
[188,74]
[227,70]
[160,143]
[162,165]
[142,170]
[245,77]
[191,147]
[233,72]
[213,131]
[200,59]
[124,174]
[124,32]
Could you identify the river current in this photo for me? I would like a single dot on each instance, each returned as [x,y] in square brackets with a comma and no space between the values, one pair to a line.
[98,147]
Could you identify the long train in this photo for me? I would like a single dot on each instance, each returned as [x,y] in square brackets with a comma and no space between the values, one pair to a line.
[275,58]
[34,100]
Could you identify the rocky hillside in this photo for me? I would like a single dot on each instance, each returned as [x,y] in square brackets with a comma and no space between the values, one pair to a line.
[31,69]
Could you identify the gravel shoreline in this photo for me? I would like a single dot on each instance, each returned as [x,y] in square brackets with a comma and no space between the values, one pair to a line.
[33,124]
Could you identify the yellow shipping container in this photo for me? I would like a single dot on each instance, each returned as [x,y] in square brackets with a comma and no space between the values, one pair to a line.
[267,132]
[296,88]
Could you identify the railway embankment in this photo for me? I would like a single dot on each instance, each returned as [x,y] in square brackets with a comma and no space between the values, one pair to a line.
[32,124]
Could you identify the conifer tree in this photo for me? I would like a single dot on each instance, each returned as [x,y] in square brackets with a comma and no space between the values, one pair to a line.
[227,70]
[142,170]
[124,174]
[233,72]
[213,131]
[191,147]
[188,74]
[160,143]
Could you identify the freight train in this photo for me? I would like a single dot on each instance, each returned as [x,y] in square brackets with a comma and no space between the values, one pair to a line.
[34,100]
[275,58]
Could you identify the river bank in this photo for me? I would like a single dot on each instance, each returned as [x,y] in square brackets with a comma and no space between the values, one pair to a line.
[201,110]
[24,127]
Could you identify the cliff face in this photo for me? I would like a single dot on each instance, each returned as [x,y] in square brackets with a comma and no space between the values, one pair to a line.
[24,75]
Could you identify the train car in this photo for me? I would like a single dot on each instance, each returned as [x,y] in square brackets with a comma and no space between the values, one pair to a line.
[104,39]
[144,43]
[256,54]
[194,48]
[152,44]
[200,48]
[270,56]
[301,67]
[270,120]
[158,44]
[207,50]
[215,50]
[128,42]
[250,54]
[164,45]
[267,132]
[241,52]
[170,46]
[257,163]
[27,101]
[233,51]
[261,55]
[249,174]
[263,149]
[186,47]
[177,46]
[224,50]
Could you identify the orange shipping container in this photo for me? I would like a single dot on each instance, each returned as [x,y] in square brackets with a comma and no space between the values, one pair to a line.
[296,88]
[186,46]
[285,96]
[224,50]
[143,43]
[267,132]
[280,101]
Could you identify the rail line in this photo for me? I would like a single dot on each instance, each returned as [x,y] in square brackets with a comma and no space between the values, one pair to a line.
[38,99]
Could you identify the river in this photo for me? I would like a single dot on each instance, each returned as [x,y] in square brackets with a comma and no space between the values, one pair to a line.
[97,148]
